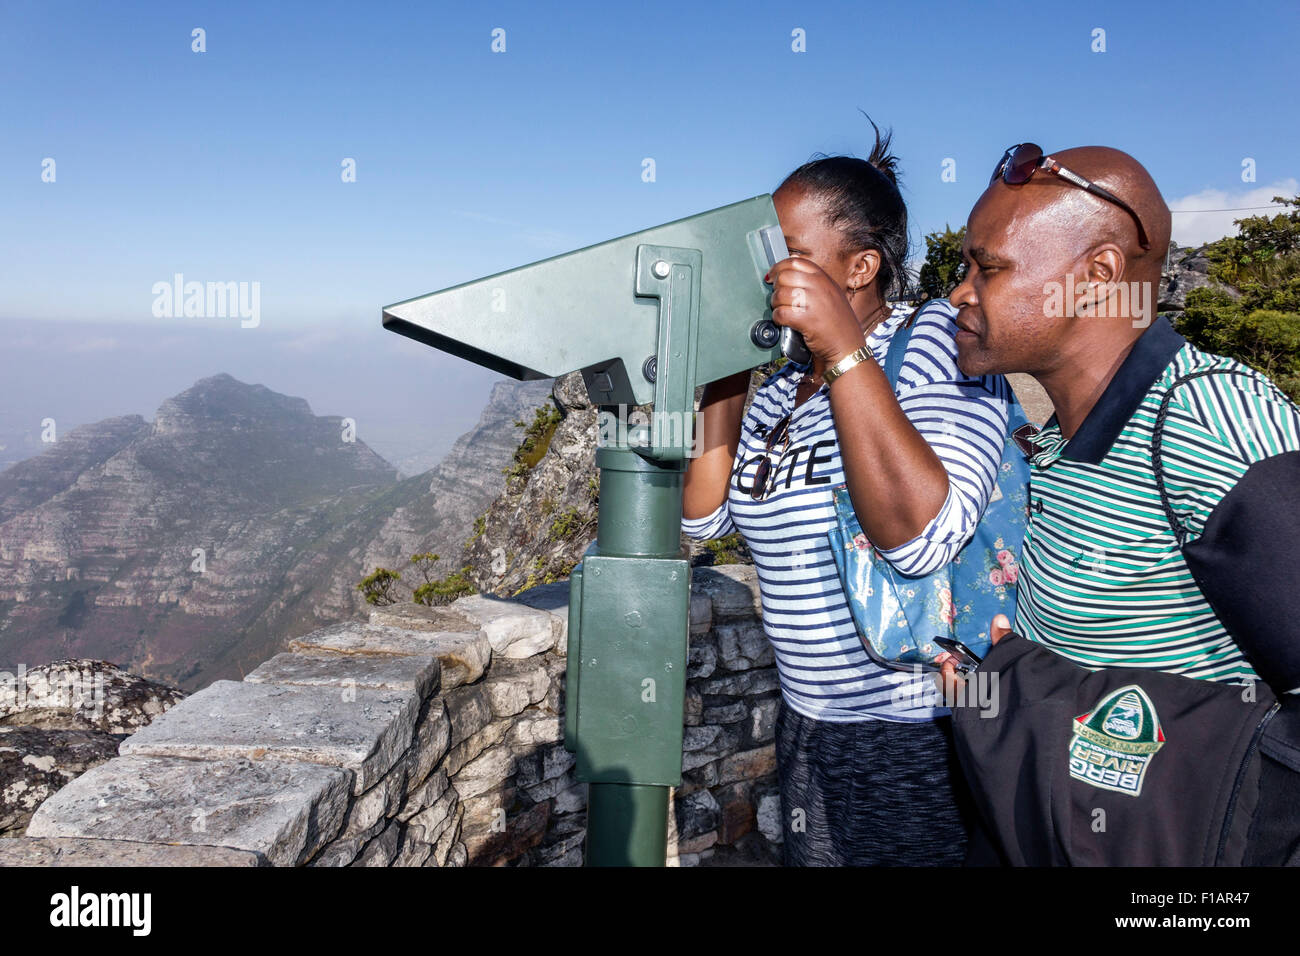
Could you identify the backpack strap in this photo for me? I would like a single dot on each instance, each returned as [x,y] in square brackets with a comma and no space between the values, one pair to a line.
[1157,458]
[897,350]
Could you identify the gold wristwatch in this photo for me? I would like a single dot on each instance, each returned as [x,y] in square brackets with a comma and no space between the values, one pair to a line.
[846,363]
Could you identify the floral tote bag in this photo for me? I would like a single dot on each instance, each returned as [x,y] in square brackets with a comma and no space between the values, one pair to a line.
[898,616]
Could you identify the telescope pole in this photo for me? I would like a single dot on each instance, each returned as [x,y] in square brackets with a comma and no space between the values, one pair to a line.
[640,516]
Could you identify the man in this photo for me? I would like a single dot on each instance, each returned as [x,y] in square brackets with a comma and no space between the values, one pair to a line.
[1181,559]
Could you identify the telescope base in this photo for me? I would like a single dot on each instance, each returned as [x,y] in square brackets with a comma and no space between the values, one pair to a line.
[625,691]
[627,825]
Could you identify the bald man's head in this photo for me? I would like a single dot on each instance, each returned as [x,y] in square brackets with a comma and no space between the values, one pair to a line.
[1092,219]
[1051,265]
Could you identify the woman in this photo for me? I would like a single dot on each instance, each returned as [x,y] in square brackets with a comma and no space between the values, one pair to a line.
[866,765]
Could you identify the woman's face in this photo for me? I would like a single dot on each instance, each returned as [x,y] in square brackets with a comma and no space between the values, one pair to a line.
[807,235]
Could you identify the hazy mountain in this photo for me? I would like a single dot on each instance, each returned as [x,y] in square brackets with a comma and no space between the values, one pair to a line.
[409,402]
[192,547]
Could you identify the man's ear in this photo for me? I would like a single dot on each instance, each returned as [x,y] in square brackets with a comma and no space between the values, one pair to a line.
[1103,268]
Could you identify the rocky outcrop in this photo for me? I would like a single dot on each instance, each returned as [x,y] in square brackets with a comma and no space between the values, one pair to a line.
[1186,269]
[82,695]
[544,521]
[539,527]
[60,720]
[36,763]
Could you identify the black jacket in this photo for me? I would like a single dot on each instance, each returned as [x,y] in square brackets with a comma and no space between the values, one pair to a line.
[1127,766]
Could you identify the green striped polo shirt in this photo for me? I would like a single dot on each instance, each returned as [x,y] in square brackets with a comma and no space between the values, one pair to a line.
[1103,581]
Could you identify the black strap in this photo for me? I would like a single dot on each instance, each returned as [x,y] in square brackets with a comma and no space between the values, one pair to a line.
[1157,459]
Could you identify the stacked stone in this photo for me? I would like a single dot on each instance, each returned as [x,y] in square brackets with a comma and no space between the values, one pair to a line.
[727,809]
[426,737]
[510,769]
[314,758]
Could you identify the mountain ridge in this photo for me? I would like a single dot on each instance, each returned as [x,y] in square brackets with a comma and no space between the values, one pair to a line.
[192,547]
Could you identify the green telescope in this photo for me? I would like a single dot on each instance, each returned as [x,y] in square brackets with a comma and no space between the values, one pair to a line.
[646,318]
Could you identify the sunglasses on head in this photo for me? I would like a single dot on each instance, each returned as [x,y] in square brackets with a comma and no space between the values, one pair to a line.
[1020,162]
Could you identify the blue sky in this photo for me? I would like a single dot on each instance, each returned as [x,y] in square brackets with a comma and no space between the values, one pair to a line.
[225,165]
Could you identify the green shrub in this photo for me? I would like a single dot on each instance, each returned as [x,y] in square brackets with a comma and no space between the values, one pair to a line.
[569,523]
[944,268]
[446,590]
[378,587]
[1264,339]
[1262,326]
[536,440]
[726,550]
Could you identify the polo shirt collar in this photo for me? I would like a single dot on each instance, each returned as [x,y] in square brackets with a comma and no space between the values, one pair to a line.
[1142,368]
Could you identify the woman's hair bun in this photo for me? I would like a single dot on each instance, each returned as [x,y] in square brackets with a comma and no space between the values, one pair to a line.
[881,157]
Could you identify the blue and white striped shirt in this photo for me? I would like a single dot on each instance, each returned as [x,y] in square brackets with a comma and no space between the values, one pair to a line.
[825,672]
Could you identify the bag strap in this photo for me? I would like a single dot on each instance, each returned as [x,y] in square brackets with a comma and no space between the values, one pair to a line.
[897,350]
[893,365]
[1157,457]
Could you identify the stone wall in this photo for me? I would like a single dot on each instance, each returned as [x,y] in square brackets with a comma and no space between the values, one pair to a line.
[426,737]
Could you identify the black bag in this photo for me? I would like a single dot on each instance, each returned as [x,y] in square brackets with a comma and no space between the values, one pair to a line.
[1129,766]
[1116,767]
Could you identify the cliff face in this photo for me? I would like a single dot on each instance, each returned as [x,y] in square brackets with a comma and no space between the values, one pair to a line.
[63,462]
[545,519]
[191,548]
[447,498]
[434,511]
[538,528]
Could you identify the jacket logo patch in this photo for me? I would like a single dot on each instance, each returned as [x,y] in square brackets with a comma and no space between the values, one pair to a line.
[1114,742]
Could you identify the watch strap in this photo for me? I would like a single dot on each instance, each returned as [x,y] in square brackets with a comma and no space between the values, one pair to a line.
[846,363]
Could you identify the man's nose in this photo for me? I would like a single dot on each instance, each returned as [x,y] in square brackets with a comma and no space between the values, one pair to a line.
[963,294]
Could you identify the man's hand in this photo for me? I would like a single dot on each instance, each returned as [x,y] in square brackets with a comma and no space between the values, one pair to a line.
[949,682]
[806,299]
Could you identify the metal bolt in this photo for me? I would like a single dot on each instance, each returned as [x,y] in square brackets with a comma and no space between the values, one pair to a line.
[661,269]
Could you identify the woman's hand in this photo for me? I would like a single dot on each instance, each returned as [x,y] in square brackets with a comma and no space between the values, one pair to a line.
[947,679]
[806,299]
